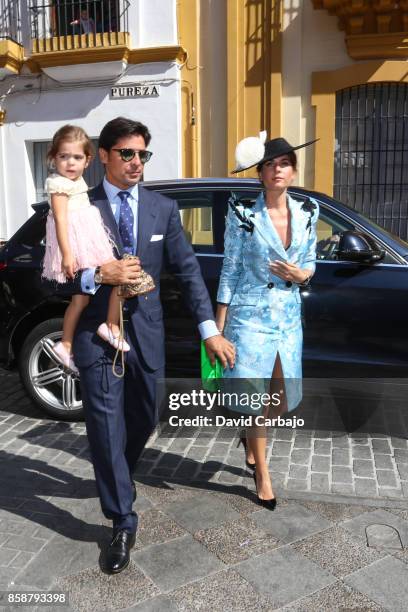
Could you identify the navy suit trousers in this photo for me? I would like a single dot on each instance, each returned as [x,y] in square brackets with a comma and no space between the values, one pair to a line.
[120,415]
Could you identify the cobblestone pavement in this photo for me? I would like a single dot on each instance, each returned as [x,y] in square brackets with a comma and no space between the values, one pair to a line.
[338,539]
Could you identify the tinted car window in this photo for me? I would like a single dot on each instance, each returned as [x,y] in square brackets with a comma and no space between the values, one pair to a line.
[202,225]
[196,217]
[329,228]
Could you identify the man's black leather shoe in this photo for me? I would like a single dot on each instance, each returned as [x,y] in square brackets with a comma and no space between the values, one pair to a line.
[118,553]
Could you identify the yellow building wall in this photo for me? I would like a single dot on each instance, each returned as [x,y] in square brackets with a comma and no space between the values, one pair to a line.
[231,84]
[254,65]
[254,51]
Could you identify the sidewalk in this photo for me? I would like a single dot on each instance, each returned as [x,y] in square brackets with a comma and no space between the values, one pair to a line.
[203,543]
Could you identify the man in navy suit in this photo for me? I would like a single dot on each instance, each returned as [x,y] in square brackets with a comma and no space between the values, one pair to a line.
[121,412]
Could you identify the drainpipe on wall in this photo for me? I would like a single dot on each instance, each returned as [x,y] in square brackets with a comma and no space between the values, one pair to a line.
[3,183]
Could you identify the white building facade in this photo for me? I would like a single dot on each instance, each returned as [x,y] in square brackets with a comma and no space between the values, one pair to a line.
[128,65]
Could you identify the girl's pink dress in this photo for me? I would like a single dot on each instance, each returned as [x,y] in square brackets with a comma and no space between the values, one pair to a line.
[89,240]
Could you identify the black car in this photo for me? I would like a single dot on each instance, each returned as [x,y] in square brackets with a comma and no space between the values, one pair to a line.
[355,310]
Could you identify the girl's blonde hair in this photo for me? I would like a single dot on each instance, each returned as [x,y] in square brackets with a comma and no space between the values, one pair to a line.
[70,133]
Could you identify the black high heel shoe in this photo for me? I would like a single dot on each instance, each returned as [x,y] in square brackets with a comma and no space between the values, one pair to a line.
[243,441]
[270,504]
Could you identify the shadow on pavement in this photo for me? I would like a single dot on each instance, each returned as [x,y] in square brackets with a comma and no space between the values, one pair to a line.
[26,482]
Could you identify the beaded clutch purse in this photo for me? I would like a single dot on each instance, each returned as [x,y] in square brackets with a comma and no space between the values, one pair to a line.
[144,284]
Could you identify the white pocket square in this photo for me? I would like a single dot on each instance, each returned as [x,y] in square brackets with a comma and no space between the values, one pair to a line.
[156,237]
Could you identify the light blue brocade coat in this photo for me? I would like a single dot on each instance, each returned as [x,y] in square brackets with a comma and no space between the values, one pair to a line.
[264,320]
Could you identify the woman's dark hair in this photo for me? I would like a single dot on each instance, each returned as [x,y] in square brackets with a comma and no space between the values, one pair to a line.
[121,127]
[292,159]
[70,133]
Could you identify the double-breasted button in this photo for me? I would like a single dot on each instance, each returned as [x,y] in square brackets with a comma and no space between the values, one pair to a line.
[271,285]
[289,283]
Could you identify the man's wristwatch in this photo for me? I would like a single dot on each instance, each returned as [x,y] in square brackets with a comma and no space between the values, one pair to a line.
[98,276]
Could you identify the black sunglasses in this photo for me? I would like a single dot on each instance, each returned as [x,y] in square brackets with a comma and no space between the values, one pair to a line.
[128,154]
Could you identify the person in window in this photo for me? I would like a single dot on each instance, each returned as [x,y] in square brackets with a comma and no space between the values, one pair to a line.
[270,249]
[327,248]
[84,24]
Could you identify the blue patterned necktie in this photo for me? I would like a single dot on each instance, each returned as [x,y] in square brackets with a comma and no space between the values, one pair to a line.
[126,220]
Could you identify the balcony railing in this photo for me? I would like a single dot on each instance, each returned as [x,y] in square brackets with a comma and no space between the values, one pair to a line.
[10,20]
[78,24]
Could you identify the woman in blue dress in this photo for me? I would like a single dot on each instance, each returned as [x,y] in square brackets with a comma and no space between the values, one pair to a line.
[269,250]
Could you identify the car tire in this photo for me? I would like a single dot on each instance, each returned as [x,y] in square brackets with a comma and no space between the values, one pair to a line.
[54,389]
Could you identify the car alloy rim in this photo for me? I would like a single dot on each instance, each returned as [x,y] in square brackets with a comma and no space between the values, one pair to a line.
[53,383]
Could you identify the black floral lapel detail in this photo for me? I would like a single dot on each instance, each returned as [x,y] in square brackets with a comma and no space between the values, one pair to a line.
[246,223]
[309,207]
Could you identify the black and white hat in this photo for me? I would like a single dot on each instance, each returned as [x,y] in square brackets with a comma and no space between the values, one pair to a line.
[249,151]
[253,151]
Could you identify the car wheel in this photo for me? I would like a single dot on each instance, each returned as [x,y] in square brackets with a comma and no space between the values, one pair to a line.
[53,388]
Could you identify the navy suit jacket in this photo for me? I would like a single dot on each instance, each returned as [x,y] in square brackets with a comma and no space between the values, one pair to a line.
[156,215]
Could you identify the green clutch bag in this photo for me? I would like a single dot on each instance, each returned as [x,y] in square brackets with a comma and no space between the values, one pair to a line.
[209,373]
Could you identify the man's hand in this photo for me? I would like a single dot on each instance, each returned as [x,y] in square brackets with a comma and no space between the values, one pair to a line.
[121,271]
[218,346]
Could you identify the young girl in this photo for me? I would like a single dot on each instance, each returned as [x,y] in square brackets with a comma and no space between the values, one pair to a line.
[75,236]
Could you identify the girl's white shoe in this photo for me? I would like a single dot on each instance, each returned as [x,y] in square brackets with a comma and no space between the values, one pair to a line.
[106,334]
[63,356]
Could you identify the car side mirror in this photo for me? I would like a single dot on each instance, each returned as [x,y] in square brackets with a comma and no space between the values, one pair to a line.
[359,247]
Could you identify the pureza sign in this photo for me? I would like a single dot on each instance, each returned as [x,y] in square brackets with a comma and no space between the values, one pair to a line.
[135,91]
